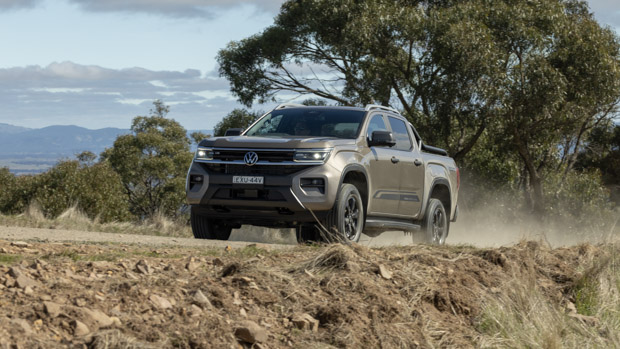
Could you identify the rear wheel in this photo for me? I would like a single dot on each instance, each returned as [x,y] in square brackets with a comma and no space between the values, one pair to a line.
[436,224]
[206,228]
[345,221]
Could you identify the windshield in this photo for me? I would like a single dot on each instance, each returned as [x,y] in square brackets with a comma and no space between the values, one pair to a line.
[309,122]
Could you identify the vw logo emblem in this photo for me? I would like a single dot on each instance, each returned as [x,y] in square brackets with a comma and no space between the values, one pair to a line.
[250,158]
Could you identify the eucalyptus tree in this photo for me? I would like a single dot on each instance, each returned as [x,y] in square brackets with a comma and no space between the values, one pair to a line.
[152,162]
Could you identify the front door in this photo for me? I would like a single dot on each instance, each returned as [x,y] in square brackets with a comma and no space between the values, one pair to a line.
[385,185]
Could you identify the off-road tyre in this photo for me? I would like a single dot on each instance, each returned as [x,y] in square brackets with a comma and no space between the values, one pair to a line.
[345,221]
[435,225]
[205,228]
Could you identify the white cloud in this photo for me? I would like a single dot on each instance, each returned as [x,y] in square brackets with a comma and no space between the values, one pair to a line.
[174,8]
[94,96]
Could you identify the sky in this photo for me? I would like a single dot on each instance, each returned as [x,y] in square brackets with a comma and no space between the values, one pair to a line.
[100,63]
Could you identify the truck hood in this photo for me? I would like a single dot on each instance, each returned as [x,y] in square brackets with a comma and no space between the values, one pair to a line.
[275,142]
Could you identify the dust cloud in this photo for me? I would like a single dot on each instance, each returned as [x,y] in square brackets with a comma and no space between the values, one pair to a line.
[480,228]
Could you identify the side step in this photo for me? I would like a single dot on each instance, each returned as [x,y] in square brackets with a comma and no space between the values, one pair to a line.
[386,224]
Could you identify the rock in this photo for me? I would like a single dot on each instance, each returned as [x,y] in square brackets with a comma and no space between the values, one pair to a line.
[250,332]
[384,272]
[97,317]
[4,250]
[20,244]
[28,291]
[160,302]
[21,280]
[116,322]
[52,309]
[217,262]
[195,310]
[38,323]
[192,264]
[306,322]
[570,308]
[79,328]
[23,324]
[243,313]
[143,267]
[201,299]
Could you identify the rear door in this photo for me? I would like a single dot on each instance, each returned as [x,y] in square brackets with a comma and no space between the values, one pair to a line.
[384,173]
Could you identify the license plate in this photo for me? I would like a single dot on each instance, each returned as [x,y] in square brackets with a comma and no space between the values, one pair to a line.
[247,180]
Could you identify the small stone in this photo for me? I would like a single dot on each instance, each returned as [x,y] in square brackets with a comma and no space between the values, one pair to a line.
[38,323]
[243,313]
[23,281]
[28,291]
[201,299]
[217,262]
[116,322]
[250,332]
[160,302]
[143,267]
[192,264]
[3,250]
[195,310]
[306,322]
[79,328]
[20,244]
[236,299]
[384,272]
[23,324]
[98,317]
[52,309]
[46,297]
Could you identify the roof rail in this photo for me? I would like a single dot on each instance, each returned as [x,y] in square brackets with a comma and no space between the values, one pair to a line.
[288,105]
[376,106]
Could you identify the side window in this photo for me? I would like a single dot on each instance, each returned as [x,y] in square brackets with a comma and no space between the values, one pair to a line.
[401,135]
[376,124]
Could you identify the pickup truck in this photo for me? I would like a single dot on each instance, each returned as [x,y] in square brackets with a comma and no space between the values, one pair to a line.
[332,173]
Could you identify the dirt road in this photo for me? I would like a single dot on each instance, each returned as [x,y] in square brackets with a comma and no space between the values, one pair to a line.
[60,235]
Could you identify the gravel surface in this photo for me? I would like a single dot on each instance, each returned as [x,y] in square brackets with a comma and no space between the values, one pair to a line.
[60,235]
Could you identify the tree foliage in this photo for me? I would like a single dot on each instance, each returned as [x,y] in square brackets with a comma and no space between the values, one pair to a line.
[530,77]
[152,162]
[238,118]
[94,189]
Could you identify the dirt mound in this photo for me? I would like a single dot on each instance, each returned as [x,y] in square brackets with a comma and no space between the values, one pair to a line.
[57,295]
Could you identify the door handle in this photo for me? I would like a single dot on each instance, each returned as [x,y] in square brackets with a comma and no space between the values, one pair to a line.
[395,159]
[417,162]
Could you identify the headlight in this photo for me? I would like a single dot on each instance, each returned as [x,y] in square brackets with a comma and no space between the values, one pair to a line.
[319,155]
[204,154]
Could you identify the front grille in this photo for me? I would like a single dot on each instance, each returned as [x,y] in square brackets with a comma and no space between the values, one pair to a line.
[263,155]
[271,170]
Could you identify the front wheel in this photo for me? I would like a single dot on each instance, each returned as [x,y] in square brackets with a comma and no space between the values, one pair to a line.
[436,224]
[345,222]
[206,228]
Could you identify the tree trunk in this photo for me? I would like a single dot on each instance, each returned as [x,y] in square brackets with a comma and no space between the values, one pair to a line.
[536,185]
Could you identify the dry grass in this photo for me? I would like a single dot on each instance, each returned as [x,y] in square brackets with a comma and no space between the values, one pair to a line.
[74,219]
[521,316]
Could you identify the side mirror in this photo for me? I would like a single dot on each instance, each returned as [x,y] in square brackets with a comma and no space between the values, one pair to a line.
[233,132]
[381,139]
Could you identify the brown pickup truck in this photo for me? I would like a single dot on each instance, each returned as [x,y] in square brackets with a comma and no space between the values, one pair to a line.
[332,173]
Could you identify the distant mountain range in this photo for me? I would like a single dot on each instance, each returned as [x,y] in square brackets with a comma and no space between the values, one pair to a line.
[26,150]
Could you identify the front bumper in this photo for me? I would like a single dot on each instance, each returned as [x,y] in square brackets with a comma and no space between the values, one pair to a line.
[279,201]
